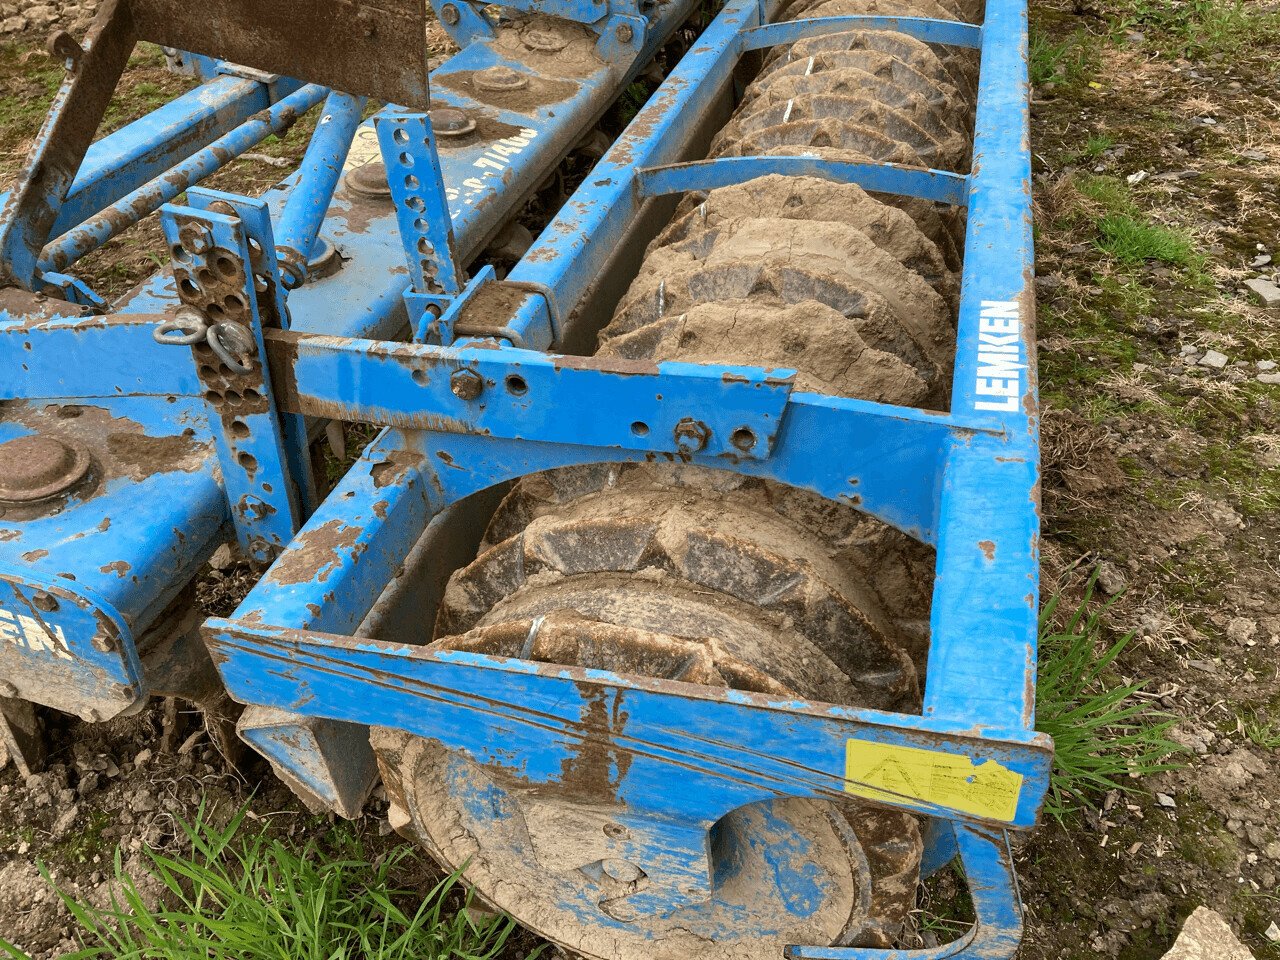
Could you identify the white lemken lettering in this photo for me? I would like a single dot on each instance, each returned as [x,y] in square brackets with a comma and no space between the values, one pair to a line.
[30,633]
[999,378]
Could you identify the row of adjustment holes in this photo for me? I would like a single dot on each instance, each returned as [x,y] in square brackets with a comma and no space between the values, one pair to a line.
[743,438]
[233,398]
[516,385]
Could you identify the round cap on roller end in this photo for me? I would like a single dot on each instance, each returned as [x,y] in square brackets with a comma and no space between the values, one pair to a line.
[34,468]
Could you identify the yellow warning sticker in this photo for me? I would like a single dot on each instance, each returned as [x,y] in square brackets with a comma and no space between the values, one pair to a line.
[883,771]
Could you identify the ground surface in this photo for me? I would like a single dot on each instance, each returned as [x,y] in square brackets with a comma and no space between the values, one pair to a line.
[1157,143]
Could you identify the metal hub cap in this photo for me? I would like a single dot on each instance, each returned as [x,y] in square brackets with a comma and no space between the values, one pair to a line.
[36,468]
[450,122]
[501,78]
[369,180]
[545,41]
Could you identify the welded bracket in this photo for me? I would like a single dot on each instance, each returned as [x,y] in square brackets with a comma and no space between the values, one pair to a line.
[227,277]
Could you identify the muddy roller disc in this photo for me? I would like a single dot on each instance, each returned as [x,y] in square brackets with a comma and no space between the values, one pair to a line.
[788,871]
[783,871]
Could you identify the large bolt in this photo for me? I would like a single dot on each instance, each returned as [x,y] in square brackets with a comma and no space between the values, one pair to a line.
[691,435]
[624,33]
[195,237]
[449,14]
[450,121]
[466,384]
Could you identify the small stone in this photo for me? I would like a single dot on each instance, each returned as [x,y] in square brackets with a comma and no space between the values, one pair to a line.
[1253,155]
[223,558]
[1271,378]
[65,820]
[1266,366]
[1261,260]
[1206,936]
[1110,580]
[1273,932]
[1265,292]
[143,802]
[1241,630]
[141,759]
[1164,800]
[1214,359]
[1188,349]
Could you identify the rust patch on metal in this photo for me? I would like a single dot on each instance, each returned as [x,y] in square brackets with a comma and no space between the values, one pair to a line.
[619,365]
[392,470]
[316,553]
[599,766]
[119,567]
[988,548]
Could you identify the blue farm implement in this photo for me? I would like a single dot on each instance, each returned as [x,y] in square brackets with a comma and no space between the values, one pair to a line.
[686,600]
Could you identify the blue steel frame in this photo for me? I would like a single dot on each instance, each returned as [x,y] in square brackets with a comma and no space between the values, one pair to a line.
[964,481]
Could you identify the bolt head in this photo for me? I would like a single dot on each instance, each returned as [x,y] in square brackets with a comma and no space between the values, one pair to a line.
[449,14]
[624,33]
[466,384]
[195,237]
[691,435]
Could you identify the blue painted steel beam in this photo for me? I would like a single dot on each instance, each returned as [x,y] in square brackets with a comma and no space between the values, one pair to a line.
[314,184]
[91,357]
[982,652]
[710,739]
[940,186]
[948,32]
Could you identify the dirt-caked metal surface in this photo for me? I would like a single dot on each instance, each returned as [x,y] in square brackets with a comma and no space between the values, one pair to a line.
[718,579]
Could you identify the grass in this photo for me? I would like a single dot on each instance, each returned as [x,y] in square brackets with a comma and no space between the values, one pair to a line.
[1104,738]
[1132,241]
[1063,62]
[245,896]
[1198,29]
[1261,732]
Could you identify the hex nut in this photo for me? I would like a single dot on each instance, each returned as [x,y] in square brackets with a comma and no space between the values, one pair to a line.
[466,384]
[691,435]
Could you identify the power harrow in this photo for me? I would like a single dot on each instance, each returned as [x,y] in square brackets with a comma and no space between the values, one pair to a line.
[686,601]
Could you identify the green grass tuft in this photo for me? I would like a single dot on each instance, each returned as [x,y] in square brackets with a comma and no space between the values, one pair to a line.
[250,897]
[1131,241]
[1103,737]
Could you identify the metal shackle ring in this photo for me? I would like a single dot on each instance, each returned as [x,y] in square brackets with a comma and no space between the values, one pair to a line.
[231,340]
